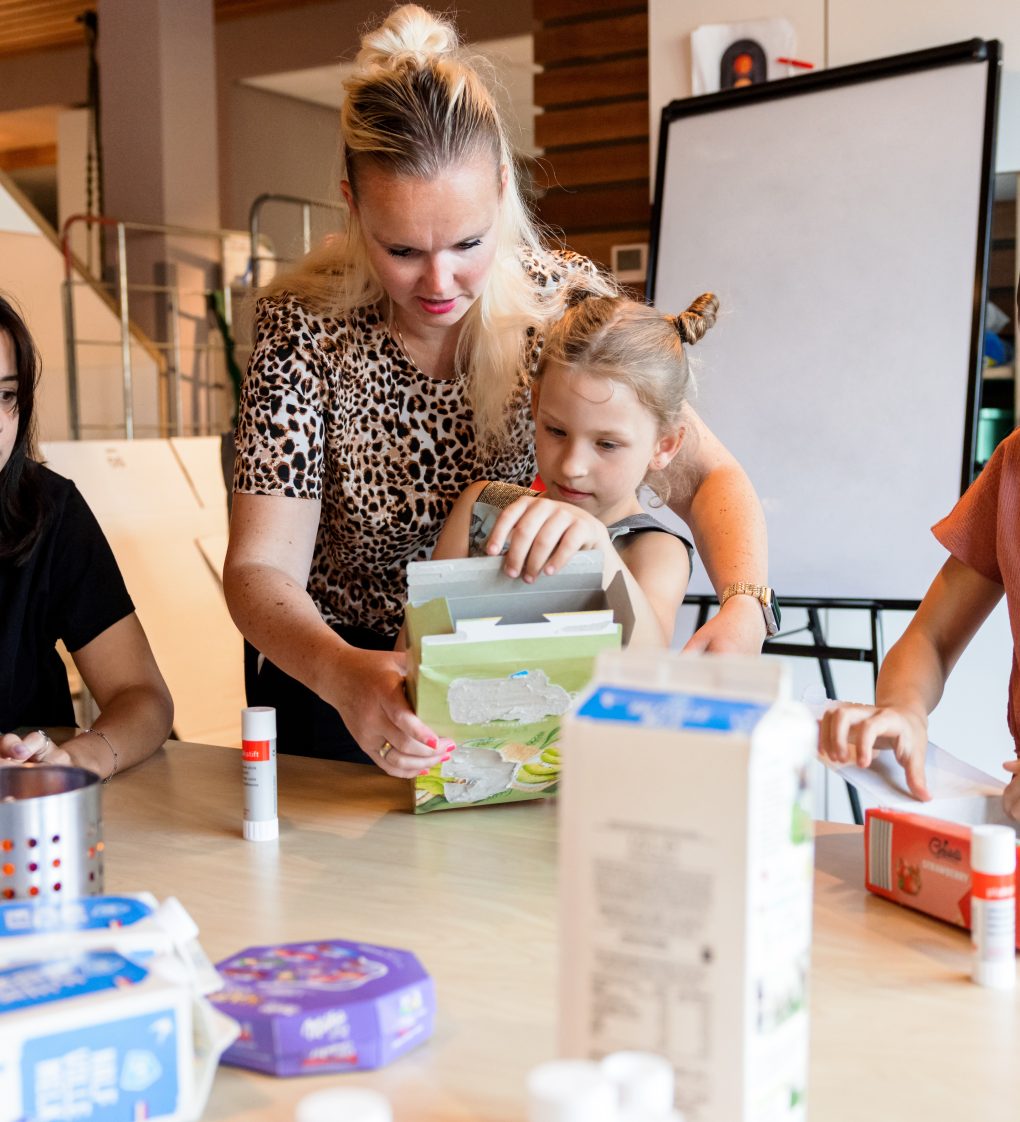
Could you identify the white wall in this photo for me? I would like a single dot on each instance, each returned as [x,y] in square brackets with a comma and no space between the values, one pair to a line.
[32,272]
[669,42]
[837,33]
[282,145]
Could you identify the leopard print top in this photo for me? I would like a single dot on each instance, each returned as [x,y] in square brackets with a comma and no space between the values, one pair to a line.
[332,409]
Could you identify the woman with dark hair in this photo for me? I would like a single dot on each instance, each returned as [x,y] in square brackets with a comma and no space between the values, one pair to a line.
[59,581]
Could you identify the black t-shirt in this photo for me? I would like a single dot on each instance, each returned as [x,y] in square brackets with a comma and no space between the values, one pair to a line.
[69,588]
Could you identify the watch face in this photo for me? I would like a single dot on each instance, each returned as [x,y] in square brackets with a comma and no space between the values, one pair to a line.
[774,606]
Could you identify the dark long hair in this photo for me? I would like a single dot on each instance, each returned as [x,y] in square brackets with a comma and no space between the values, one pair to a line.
[22,507]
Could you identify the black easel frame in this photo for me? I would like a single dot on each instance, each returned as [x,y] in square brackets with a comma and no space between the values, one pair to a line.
[977,50]
[820,649]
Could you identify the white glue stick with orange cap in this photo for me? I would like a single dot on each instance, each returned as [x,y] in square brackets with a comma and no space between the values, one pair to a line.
[993,906]
[258,773]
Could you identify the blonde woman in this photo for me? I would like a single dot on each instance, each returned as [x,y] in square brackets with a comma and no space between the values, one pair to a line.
[390,372]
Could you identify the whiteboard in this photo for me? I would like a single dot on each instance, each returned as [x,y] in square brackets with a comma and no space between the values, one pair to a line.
[842,219]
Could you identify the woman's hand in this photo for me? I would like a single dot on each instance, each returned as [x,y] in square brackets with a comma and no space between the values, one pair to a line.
[369,696]
[851,734]
[32,747]
[737,628]
[1011,796]
[543,534]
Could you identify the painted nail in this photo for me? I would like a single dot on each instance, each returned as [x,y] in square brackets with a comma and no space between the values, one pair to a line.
[425,772]
[431,742]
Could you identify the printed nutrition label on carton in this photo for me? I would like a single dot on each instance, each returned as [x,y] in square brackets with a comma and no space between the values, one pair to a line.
[651,966]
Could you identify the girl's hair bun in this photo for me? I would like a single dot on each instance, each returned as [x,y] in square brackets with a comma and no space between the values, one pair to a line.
[699,316]
[410,36]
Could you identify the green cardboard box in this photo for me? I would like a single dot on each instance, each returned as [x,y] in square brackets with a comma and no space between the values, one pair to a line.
[495,664]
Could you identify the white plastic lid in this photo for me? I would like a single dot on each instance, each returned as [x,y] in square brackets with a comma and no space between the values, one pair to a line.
[347,1104]
[262,829]
[993,850]
[258,723]
[644,1116]
[571,1091]
[644,1081]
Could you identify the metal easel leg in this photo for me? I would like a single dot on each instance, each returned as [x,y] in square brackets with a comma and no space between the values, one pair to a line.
[815,627]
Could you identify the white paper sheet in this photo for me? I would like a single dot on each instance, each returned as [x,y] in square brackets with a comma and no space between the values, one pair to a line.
[960,792]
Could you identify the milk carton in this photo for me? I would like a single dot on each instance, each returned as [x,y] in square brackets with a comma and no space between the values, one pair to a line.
[686,868]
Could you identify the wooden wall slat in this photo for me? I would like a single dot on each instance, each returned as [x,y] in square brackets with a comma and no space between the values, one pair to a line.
[598,245]
[601,208]
[599,164]
[594,128]
[600,38]
[620,120]
[598,80]
[1003,219]
[42,155]
[547,10]
[1001,270]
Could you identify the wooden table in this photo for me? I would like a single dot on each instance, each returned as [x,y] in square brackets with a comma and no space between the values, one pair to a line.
[898,1032]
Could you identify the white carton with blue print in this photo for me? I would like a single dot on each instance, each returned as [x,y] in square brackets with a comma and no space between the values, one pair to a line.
[133,924]
[686,871]
[102,1038]
[101,1015]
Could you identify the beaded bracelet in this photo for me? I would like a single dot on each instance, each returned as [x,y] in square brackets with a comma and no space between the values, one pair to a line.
[97,732]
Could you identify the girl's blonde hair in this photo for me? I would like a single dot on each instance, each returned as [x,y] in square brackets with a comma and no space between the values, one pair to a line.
[617,338]
[414,107]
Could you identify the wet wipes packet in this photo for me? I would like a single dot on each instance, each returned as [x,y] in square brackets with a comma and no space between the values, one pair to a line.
[495,664]
[97,1035]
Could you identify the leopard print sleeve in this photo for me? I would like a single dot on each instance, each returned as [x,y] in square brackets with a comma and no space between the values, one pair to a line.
[280,424]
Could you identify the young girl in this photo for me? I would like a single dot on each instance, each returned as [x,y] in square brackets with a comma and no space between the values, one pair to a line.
[608,399]
[59,580]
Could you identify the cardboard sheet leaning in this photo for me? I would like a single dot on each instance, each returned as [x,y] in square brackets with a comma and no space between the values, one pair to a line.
[495,664]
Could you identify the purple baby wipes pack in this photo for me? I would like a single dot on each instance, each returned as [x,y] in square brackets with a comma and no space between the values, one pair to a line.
[319,1007]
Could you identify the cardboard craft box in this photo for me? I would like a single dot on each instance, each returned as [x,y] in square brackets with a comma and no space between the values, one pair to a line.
[686,876]
[311,1008]
[495,664]
[922,863]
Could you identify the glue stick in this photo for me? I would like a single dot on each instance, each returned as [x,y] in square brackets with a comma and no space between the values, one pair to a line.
[258,770]
[993,906]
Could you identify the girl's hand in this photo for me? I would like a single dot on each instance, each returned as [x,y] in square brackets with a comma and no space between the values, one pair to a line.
[852,733]
[543,535]
[1011,796]
[35,747]
[369,695]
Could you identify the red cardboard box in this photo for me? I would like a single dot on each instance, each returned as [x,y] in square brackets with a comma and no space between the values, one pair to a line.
[921,862]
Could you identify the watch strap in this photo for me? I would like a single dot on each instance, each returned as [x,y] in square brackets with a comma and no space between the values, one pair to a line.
[765,596]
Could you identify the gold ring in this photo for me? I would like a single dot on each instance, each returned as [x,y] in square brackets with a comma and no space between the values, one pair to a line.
[386,747]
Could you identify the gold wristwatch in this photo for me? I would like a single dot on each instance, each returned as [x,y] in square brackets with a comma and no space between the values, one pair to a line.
[764,595]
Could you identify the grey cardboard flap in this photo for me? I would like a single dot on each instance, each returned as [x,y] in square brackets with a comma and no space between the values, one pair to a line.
[618,598]
[527,607]
[484,576]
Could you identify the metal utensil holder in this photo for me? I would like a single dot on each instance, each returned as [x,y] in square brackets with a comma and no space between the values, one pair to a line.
[51,832]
